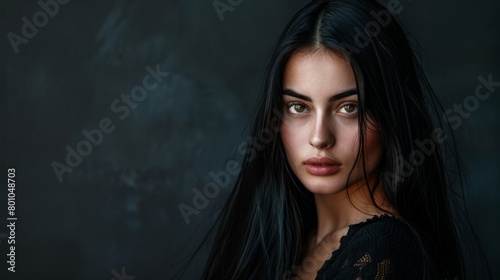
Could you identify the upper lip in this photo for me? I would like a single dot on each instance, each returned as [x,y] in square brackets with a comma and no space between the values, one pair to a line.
[321,161]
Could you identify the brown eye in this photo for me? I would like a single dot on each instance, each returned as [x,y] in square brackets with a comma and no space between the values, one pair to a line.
[299,108]
[349,108]
[296,108]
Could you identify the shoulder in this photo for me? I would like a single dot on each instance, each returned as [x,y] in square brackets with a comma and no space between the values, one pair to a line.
[384,231]
[384,246]
[383,236]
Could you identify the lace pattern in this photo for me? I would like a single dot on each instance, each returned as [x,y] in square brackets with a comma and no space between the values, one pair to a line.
[380,248]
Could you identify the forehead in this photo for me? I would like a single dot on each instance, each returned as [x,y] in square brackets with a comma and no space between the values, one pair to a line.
[318,73]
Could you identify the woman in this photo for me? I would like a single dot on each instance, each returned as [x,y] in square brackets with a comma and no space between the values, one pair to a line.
[350,179]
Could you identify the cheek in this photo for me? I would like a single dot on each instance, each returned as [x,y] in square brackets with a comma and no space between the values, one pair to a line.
[287,137]
[347,137]
[293,142]
[373,146]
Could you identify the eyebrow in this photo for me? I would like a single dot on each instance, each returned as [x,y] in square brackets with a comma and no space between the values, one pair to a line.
[331,99]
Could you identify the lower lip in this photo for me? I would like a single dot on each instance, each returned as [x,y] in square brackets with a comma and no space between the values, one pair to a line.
[322,170]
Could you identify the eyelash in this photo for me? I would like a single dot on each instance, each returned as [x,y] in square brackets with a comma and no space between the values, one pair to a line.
[289,105]
[343,105]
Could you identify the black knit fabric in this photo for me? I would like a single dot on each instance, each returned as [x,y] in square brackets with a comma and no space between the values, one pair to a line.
[380,248]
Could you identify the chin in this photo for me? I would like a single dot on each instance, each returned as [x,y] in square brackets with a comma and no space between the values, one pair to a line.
[323,185]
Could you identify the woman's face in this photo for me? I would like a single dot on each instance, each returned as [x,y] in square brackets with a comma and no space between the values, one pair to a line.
[320,123]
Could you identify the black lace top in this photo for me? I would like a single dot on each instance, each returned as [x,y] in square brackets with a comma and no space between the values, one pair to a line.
[382,248]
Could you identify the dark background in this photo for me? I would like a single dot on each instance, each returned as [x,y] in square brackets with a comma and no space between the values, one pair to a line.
[119,207]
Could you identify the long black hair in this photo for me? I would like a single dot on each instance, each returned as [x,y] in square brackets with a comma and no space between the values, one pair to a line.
[262,228]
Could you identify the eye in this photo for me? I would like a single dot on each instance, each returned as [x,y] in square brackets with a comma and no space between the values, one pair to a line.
[296,108]
[350,108]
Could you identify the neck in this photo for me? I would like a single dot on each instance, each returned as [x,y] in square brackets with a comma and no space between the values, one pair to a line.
[352,205]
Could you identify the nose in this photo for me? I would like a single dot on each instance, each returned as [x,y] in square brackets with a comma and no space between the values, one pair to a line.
[322,134]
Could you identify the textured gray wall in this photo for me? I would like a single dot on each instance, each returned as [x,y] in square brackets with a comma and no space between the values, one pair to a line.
[118,208]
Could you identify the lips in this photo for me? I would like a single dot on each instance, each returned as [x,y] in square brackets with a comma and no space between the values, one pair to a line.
[322,166]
